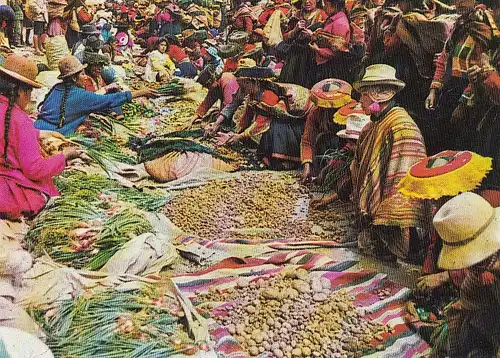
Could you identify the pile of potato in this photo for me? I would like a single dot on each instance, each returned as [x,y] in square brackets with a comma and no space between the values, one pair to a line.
[295,315]
[255,205]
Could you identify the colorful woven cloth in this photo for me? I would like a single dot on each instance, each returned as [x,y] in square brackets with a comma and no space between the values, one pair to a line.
[386,151]
[402,342]
[471,37]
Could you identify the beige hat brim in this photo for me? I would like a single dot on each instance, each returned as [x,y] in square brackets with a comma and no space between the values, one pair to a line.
[396,83]
[479,249]
[75,71]
[343,134]
[21,78]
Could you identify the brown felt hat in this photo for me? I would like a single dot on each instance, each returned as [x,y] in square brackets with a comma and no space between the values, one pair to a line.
[21,69]
[69,65]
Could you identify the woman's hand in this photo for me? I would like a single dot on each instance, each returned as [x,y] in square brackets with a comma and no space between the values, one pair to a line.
[213,128]
[431,282]
[474,73]
[313,46]
[71,153]
[306,173]
[148,92]
[227,138]
[430,101]
[478,73]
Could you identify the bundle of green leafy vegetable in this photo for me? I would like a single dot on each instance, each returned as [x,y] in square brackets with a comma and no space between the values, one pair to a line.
[112,324]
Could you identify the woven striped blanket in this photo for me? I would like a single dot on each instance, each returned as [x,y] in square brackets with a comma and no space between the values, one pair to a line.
[361,285]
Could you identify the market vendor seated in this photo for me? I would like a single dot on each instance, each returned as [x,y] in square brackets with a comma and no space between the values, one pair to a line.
[25,175]
[94,81]
[470,230]
[178,55]
[68,104]
[335,177]
[320,130]
[160,67]
[273,117]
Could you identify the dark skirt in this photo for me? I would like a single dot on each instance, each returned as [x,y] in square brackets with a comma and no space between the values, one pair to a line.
[187,69]
[488,145]
[297,68]
[281,144]
[170,28]
[72,37]
[340,67]
[443,135]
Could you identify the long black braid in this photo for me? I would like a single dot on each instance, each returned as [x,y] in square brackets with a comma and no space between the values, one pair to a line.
[62,109]
[11,90]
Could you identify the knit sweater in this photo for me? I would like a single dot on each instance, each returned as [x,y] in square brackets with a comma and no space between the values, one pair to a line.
[79,105]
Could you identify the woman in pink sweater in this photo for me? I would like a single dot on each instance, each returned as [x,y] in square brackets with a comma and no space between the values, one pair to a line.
[332,53]
[25,175]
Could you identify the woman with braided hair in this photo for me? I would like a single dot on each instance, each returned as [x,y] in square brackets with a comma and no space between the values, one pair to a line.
[25,175]
[68,104]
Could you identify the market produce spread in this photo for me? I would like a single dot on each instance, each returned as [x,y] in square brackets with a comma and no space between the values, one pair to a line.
[166,242]
[103,207]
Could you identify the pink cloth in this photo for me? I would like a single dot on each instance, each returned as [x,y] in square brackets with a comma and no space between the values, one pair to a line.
[164,16]
[222,90]
[337,25]
[28,175]
[56,27]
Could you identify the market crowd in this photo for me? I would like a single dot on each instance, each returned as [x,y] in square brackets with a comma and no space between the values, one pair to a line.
[392,105]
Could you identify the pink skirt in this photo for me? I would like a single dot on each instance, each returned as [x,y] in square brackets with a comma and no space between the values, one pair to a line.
[17,201]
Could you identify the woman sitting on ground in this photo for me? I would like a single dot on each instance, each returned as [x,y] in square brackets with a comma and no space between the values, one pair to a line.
[159,67]
[95,81]
[25,175]
[68,104]
[181,59]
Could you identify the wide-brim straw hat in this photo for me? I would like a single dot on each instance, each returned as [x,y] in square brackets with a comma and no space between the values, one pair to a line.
[69,66]
[21,69]
[379,75]
[448,173]
[354,126]
[470,230]
[353,107]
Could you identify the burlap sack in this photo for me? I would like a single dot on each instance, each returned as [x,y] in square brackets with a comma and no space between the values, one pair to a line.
[55,49]
[177,165]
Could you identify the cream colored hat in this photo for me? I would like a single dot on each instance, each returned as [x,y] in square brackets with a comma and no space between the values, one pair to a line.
[354,125]
[379,75]
[470,230]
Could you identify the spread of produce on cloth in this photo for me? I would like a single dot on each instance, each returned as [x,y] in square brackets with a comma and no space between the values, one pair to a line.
[163,243]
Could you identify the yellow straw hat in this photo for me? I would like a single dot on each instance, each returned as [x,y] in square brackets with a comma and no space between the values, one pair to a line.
[448,173]
[470,230]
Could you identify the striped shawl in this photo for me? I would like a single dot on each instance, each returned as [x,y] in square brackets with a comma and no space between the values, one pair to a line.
[386,151]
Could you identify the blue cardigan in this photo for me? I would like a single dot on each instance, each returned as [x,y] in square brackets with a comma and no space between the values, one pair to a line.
[79,105]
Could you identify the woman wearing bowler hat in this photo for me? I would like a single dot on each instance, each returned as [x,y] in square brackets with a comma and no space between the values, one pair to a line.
[68,104]
[25,175]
